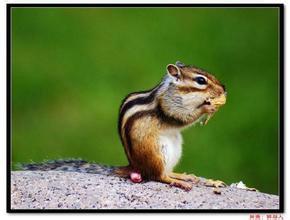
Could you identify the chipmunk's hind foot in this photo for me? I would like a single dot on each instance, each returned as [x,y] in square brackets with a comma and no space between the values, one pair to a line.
[215,183]
[175,182]
[185,177]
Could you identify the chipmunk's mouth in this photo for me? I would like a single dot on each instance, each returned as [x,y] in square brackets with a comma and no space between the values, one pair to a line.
[206,102]
[217,101]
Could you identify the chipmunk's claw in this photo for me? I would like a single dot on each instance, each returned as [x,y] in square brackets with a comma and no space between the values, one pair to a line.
[215,183]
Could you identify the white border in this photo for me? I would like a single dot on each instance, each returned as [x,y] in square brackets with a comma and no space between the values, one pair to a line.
[3,213]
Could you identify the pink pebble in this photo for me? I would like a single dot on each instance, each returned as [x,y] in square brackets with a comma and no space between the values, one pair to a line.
[136,177]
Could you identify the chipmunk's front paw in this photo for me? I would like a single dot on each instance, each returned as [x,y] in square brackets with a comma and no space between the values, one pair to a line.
[215,183]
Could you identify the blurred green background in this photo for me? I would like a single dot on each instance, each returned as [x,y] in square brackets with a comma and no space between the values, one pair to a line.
[71,67]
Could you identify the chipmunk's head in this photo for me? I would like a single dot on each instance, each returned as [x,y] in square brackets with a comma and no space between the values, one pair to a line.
[191,87]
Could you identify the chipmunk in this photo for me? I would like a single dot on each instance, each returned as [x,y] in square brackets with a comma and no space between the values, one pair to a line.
[150,122]
[149,125]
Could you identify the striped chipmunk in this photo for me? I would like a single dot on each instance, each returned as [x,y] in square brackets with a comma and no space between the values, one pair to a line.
[150,123]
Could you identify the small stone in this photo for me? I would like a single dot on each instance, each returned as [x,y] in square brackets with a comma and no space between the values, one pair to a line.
[217,191]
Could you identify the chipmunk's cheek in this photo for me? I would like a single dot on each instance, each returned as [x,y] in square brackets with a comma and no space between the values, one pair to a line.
[136,177]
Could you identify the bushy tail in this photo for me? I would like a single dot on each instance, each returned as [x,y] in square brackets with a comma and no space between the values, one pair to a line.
[123,171]
[70,165]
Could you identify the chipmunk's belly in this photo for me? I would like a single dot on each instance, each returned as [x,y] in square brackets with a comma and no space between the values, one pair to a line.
[170,143]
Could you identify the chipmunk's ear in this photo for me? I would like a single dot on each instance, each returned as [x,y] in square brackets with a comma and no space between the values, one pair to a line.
[174,71]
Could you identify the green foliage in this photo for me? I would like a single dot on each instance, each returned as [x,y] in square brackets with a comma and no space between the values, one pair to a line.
[71,67]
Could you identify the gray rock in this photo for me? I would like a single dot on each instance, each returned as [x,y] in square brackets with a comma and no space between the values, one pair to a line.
[74,190]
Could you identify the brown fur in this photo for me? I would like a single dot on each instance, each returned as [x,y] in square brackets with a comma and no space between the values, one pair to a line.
[146,155]
[127,131]
[143,118]
[189,72]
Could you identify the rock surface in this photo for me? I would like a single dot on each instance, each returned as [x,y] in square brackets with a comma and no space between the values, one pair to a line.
[73,190]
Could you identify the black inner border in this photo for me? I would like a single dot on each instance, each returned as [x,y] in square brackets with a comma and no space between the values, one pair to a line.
[281,108]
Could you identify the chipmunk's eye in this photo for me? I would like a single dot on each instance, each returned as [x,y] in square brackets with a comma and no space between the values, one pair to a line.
[200,80]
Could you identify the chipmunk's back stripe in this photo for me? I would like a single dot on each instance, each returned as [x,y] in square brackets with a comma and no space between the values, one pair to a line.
[129,124]
[156,112]
[130,96]
[138,101]
[134,95]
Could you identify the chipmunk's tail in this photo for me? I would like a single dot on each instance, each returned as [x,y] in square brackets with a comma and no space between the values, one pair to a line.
[123,171]
[69,165]
[82,166]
